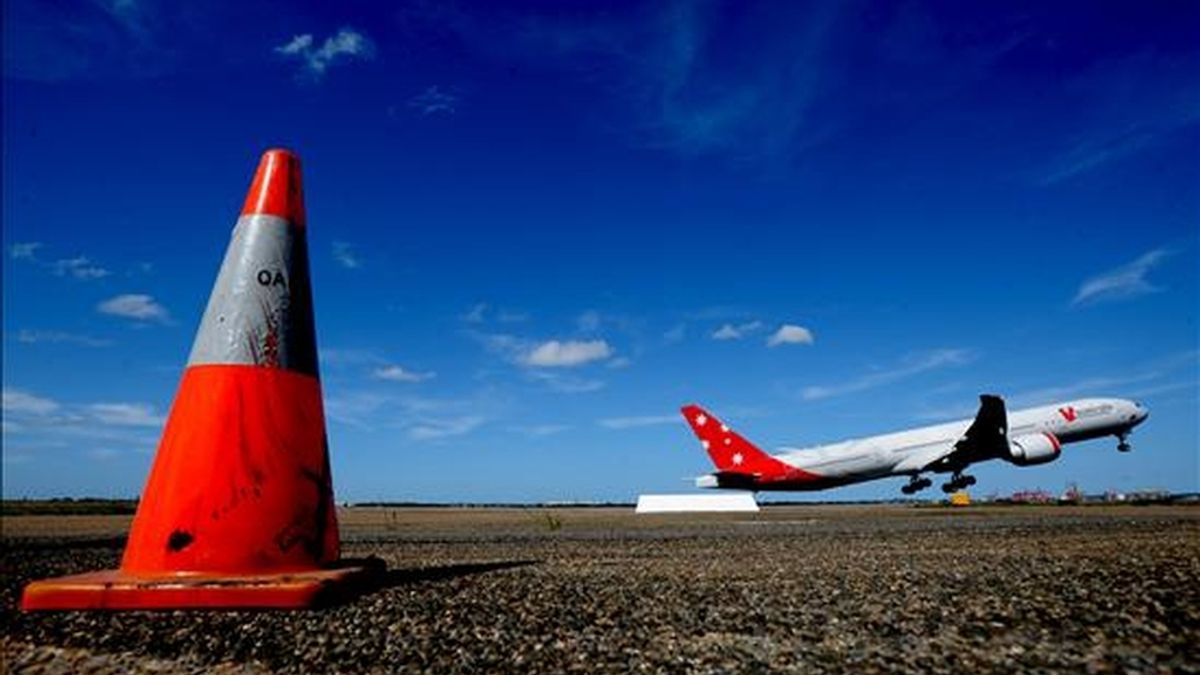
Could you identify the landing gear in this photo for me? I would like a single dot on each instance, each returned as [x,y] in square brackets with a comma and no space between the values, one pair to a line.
[957,482]
[1123,442]
[916,485]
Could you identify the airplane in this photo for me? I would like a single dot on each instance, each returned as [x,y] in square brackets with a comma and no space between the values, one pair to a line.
[1025,438]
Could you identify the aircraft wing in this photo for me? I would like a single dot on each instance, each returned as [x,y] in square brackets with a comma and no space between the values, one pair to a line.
[988,434]
[986,437]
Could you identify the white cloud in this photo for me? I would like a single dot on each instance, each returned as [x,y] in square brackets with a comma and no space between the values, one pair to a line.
[434,429]
[24,250]
[435,100]
[79,268]
[790,334]
[346,44]
[909,367]
[394,373]
[675,334]
[125,414]
[20,402]
[299,45]
[637,421]
[546,362]
[566,354]
[1122,283]
[736,332]
[344,254]
[29,336]
[134,306]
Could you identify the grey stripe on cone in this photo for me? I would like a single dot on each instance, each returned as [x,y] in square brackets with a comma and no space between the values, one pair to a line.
[260,311]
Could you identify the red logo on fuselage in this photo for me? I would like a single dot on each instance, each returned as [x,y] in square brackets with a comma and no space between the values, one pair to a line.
[1068,413]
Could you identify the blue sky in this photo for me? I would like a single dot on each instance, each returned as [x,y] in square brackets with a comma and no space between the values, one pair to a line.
[536,231]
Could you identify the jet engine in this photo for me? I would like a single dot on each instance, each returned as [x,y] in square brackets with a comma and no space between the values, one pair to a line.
[1034,449]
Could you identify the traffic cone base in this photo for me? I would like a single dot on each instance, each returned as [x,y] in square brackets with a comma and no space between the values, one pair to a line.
[118,590]
[238,509]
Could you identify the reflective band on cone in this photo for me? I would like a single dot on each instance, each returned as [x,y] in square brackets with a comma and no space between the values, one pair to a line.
[238,509]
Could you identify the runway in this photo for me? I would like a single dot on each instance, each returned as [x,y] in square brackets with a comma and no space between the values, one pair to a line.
[794,588]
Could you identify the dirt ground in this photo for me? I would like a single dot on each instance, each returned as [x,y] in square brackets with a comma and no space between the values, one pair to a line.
[794,588]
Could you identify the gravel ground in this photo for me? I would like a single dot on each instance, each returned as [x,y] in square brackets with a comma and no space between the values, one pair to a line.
[804,589]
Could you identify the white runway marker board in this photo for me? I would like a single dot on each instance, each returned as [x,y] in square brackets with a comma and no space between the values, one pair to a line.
[730,502]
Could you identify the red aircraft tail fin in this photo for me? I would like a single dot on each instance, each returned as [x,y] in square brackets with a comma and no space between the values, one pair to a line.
[728,450]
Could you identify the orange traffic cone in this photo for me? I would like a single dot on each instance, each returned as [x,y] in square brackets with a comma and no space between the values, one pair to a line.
[238,510]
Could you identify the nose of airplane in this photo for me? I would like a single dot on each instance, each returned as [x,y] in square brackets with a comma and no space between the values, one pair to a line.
[1140,413]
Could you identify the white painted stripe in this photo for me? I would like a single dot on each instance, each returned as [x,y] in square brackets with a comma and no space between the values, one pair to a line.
[260,310]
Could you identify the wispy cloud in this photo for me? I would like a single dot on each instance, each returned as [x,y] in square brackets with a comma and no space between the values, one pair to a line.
[1122,283]
[436,429]
[566,353]
[105,38]
[540,430]
[347,44]
[394,373]
[1156,376]
[1091,153]
[637,421]
[21,402]
[566,383]
[435,101]
[589,321]
[362,410]
[345,255]
[476,314]
[125,414]
[29,336]
[1128,111]
[672,81]
[790,334]
[675,334]
[395,411]
[909,367]
[79,268]
[1152,372]
[350,357]
[619,362]
[674,78]
[34,420]
[131,14]
[135,306]
[481,313]
[24,250]
[731,331]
